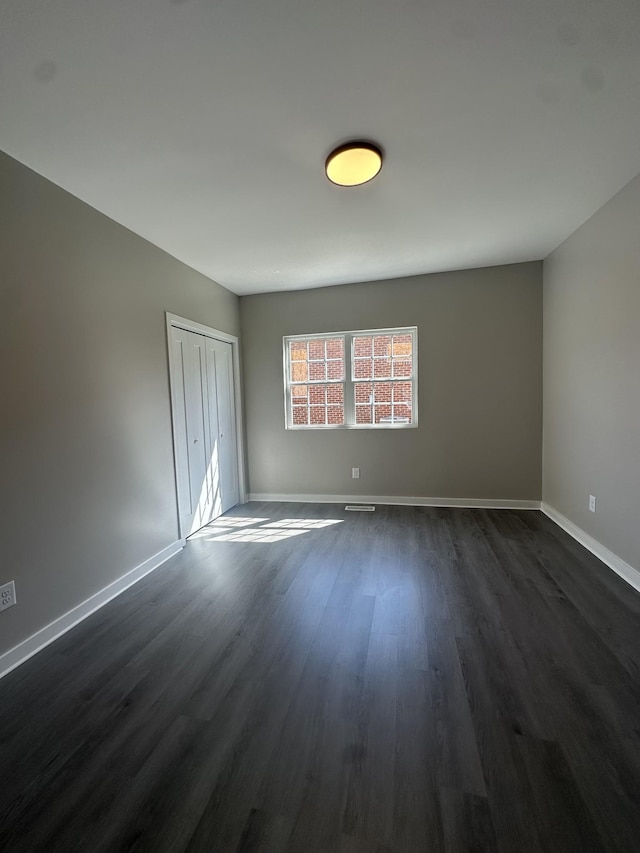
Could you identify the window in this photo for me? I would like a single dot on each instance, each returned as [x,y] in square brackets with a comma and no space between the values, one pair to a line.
[351,379]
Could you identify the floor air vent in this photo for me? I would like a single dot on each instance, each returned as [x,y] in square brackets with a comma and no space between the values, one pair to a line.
[360,507]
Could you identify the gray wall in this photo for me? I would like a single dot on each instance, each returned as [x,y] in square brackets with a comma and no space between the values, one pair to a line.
[592,375]
[480,395]
[87,484]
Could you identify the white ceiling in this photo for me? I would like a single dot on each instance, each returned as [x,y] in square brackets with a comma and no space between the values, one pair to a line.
[203,125]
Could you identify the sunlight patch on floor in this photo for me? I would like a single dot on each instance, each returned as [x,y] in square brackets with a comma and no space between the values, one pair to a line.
[236,521]
[256,530]
[256,535]
[304,523]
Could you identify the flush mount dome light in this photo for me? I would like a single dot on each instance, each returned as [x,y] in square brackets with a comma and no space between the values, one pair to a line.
[353,164]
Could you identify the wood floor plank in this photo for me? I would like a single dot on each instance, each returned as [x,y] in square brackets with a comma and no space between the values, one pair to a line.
[467,823]
[563,818]
[508,787]
[417,818]
[368,810]
[302,678]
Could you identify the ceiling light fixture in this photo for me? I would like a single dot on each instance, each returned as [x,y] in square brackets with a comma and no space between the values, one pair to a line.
[353,164]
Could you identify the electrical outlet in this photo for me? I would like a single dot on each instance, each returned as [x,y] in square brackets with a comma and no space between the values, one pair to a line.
[7,595]
[355,473]
[592,503]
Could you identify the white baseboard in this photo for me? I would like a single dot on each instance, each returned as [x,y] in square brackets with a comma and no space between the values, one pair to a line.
[33,644]
[471,503]
[619,566]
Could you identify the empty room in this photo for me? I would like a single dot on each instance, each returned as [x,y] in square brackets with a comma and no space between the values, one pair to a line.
[320,426]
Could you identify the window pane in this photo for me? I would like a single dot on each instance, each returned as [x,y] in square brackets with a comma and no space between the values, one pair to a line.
[402,346]
[364,392]
[402,350]
[392,402]
[299,371]
[300,415]
[298,350]
[318,395]
[362,346]
[402,392]
[317,370]
[318,415]
[402,399]
[402,367]
[382,356]
[363,400]
[316,359]
[335,348]
[335,395]
[362,368]
[381,368]
[382,346]
[335,369]
[382,392]
[299,404]
[402,414]
[334,354]
[316,349]
[317,405]
[362,357]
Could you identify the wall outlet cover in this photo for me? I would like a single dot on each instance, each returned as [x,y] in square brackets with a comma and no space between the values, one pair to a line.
[7,595]
[592,503]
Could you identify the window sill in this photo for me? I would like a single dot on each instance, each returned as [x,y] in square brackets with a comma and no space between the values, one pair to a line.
[350,426]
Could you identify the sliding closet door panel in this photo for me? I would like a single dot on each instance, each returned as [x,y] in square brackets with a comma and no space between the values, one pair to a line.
[202,494]
[213,442]
[220,365]
[179,357]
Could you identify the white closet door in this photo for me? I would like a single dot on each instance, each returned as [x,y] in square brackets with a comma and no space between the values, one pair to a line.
[205,429]
[205,493]
[224,447]
[180,362]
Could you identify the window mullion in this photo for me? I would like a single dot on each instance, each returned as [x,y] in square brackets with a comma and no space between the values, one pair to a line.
[349,387]
[288,405]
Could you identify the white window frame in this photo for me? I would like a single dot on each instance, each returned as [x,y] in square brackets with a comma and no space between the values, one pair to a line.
[348,382]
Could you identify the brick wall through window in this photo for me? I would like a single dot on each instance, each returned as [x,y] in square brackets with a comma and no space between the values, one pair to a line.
[351,379]
[317,381]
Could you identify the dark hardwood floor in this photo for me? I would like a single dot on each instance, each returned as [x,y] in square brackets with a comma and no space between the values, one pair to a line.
[413,679]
